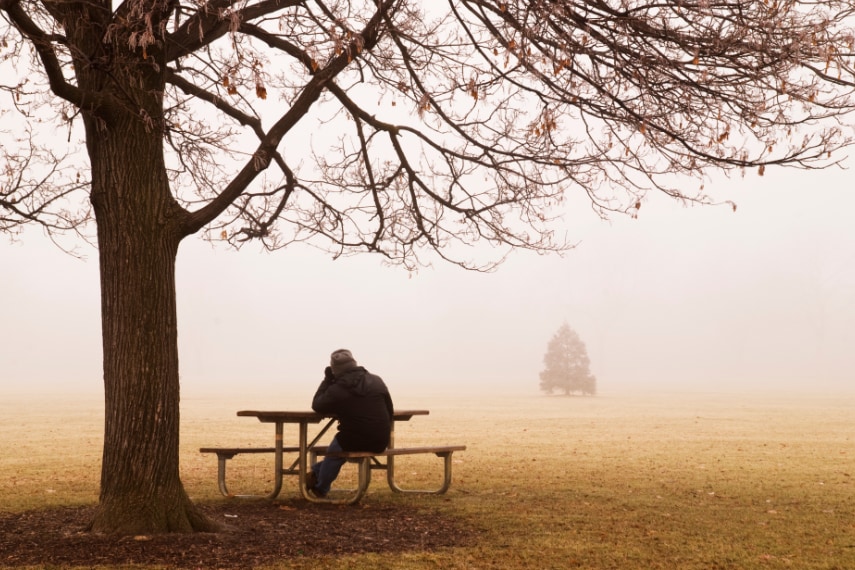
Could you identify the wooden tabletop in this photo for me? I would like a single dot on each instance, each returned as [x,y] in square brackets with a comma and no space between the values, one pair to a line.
[310,416]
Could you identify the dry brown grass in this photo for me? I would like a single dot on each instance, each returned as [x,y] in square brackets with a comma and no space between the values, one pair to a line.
[623,482]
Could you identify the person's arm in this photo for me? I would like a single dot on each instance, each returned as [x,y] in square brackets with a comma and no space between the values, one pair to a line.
[325,396]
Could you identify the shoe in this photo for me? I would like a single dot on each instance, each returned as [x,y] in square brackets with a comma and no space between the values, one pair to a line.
[311,483]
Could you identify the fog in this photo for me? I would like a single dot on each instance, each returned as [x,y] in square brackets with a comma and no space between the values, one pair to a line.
[680,299]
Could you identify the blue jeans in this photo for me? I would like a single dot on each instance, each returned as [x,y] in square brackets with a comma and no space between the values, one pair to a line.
[328,469]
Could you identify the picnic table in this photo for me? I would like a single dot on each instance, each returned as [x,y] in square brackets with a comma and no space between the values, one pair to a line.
[307,451]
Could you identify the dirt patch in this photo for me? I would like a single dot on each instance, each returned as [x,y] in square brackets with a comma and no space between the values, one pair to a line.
[261,532]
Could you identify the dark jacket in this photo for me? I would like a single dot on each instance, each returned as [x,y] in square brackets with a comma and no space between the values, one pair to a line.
[363,406]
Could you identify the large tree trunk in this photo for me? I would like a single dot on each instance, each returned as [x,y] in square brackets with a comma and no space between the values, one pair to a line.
[139,230]
[141,491]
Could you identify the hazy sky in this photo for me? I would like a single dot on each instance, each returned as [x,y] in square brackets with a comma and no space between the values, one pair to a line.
[689,298]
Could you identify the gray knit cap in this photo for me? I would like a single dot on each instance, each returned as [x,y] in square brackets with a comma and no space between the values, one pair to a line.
[341,361]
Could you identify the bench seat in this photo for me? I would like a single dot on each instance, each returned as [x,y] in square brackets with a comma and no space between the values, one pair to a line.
[232,451]
[226,453]
[368,460]
[438,450]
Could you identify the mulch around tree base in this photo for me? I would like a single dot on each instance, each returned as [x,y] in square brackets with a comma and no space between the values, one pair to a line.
[261,532]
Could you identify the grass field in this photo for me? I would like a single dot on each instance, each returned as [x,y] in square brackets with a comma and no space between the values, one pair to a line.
[694,482]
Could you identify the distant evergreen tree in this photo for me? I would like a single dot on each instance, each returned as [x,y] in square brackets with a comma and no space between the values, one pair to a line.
[567,365]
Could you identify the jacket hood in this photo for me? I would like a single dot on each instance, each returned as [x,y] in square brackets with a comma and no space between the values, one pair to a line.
[358,381]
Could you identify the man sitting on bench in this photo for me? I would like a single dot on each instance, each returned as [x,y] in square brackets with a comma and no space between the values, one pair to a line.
[363,406]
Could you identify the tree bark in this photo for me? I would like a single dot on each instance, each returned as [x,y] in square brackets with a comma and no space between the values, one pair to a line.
[139,230]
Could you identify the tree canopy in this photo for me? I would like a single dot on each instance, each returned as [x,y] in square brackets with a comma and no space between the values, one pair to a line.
[409,130]
[388,126]
[567,367]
